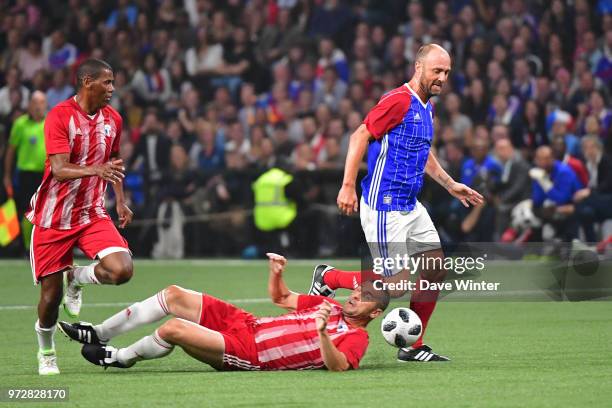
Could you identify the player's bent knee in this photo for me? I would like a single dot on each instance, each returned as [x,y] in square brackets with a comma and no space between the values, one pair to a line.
[122,273]
[173,295]
[171,330]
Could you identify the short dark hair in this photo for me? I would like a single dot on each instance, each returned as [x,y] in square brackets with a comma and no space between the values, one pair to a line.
[90,68]
[381,297]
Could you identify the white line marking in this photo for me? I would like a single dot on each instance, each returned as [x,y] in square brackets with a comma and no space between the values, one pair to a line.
[124,304]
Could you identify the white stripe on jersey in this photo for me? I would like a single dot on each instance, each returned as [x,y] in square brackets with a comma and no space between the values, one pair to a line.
[84,218]
[378,172]
[49,207]
[98,198]
[74,185]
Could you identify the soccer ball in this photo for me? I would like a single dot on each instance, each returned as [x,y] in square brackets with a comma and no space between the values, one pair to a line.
[401,327]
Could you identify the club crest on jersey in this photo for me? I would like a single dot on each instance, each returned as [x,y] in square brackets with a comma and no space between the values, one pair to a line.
[107,130]
[387,199]
[342,326]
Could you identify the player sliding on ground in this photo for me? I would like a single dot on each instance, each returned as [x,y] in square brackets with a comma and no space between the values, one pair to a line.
[317,333]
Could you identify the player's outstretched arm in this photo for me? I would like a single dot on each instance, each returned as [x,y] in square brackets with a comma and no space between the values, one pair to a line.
[333,358]
[279,293]
[347,197]
[63,170]
[460,191]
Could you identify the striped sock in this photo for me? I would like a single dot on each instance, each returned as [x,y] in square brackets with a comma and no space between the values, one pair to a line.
[147,311]
[147,348]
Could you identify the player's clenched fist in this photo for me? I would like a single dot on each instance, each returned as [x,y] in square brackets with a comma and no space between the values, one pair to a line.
[322,315]
[277,263]
[347,200]
[112,171]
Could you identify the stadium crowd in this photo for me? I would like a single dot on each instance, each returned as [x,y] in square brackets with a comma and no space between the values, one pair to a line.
[213,93]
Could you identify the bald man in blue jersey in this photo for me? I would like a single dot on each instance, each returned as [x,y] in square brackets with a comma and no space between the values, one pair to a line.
[398,133]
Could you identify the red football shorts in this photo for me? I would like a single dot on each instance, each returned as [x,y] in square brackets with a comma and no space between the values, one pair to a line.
[236,326]
[51,249]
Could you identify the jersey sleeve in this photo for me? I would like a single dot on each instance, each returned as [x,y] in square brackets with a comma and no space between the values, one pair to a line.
[387,114]
[56,134]
[308,301]
[353,346]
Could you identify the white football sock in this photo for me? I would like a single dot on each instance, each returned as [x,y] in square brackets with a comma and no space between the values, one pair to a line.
[45,337]
[85,275]
[147,348]
[147,311]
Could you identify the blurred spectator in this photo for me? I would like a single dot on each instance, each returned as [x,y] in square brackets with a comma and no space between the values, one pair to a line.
[513,186]
[178,184]
[597,107]
[152,152]
[61,53]
[461,124]
[475,104]
[560,152]
[331,56]
[238,62]
[60,89]
[329,89]
[152,84]
[593,203]
[554,185]
[206,154]
[276,39]
[13,95]
[125,14]
[481,170]
[11,51]
[205,58]
[31,58]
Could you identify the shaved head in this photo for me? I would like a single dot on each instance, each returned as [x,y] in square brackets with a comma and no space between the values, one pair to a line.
[426,49]
[38,105]
[432,67]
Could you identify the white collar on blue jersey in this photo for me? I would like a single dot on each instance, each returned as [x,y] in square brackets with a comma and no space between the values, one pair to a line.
[416,95]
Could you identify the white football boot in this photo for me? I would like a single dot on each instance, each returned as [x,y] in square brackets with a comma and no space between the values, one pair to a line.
[73,299]
[47,362]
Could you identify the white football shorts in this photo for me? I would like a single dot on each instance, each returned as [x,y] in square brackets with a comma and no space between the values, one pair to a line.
[398,233]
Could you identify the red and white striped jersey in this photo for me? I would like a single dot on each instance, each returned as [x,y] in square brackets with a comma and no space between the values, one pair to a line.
[89,140]
[291,341]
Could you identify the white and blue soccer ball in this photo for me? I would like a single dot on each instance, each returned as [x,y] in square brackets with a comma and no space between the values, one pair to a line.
[401,327]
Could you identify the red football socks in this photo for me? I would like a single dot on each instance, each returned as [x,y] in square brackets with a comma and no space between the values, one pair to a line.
[423,303]
[339,279]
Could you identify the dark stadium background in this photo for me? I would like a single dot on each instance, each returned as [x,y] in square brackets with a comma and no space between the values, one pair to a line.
[214,93]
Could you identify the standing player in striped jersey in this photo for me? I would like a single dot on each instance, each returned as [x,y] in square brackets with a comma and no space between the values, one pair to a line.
[317,333]
[82,139]
[398,133]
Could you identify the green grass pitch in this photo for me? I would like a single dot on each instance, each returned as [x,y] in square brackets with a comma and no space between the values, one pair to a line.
[510,354]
